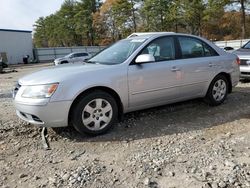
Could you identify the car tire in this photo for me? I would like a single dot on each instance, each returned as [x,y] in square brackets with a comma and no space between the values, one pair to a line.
[64,62]
[95,113]
[217,91]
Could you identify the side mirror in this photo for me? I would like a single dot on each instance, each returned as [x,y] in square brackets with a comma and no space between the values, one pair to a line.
[227,48]
[145,58]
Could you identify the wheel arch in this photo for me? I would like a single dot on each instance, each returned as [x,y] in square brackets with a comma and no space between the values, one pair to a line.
[209,98]
[64,61]
[228,77]
[108,90]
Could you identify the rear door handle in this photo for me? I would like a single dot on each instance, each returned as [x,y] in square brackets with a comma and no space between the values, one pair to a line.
[174,69]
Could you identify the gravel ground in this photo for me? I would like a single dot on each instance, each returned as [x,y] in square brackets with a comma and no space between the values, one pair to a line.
[181,145]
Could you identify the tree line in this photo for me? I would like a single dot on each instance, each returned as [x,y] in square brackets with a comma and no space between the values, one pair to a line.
[97,22]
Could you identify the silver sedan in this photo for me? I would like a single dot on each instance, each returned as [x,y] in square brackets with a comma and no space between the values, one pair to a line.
[139,72]
[244,55]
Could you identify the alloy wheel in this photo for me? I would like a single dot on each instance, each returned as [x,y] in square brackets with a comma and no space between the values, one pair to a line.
[219,90]
[97,114]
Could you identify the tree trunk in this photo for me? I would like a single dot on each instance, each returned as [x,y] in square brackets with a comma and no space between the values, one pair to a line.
[243,19]
[133,15]
[162,21]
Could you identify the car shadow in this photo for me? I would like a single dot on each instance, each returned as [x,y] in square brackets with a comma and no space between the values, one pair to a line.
[173,119]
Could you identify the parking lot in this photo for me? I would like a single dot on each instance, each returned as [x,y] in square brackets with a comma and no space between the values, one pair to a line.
[187,144]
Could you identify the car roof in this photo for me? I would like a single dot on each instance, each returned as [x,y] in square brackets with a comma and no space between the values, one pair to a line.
[147,35]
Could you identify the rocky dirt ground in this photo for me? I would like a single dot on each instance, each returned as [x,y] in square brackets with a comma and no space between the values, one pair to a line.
[181,145]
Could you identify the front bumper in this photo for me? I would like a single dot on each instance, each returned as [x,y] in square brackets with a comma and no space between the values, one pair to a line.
[53,114]
[244,71]
[56,63]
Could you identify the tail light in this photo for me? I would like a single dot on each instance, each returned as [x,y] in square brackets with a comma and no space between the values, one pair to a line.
[237,61]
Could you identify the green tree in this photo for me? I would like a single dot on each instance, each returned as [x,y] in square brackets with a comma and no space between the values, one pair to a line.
[40,37]
[85,10]
[135,8]
[155,13]
[244,5]
[175,16]
[116,18]
[193,13]
[67,23]
[92,22]
[211,20]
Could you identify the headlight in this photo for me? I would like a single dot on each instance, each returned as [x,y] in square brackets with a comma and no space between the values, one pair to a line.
[39,91]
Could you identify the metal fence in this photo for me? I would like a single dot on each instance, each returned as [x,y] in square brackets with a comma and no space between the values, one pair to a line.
[49,54]
[232,43]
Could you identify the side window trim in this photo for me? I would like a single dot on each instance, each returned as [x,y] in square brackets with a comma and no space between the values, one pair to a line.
[214,53]
[178,54]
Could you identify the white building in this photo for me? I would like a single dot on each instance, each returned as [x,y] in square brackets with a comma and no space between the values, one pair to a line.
[15,44]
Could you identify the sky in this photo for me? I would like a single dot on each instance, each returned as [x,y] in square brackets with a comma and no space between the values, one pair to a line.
[22,14]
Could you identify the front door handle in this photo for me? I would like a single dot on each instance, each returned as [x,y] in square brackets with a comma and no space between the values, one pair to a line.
[174,69]
[210,64]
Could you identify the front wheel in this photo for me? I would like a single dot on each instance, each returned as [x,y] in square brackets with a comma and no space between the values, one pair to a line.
[95,113]
[217,91]
[64,62]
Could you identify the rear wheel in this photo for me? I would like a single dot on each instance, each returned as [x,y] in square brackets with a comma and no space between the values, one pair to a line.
[217,91]
[95,114]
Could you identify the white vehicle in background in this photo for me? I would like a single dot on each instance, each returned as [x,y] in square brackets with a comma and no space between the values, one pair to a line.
[76,57]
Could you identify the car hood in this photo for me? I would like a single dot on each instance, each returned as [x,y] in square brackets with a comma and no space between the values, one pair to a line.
[61,73]
[60,59]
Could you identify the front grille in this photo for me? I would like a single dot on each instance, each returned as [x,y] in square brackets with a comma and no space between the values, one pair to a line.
[245,73]
[244,62]
[15,90]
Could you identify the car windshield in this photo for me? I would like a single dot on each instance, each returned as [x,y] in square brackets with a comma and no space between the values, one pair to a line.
[246,46]
[69,55]
[118,52]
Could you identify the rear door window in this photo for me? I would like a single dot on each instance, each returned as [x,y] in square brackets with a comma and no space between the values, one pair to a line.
[193,48]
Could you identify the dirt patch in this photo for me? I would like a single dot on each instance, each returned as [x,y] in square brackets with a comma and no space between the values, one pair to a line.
[181,145]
